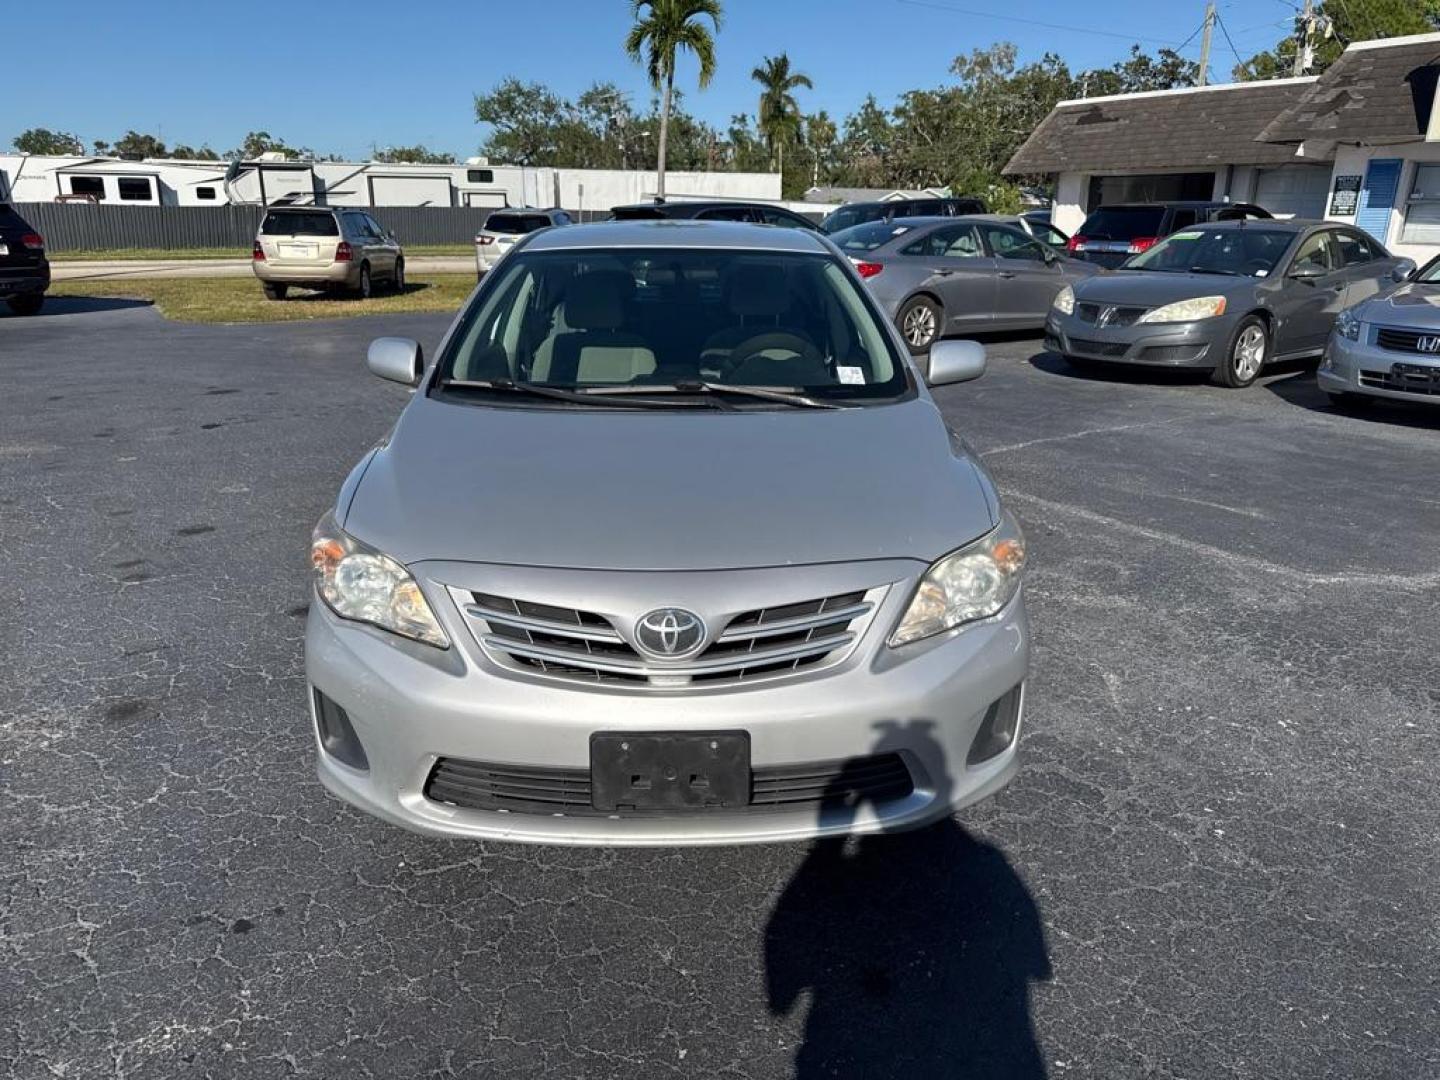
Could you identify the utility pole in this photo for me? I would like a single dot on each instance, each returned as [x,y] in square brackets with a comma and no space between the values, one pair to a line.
[1205,43]
[1304,51]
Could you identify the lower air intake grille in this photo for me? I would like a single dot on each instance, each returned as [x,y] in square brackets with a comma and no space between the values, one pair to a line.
[1099,348]
[522,789]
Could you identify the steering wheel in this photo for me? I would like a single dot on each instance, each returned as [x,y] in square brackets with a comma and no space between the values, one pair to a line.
[771,339]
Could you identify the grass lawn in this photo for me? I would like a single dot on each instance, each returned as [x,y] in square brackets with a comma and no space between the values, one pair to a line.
[164,255]
[239,299]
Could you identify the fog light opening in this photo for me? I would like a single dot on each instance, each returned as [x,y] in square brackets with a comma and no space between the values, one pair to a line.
[337,735]
[996,732]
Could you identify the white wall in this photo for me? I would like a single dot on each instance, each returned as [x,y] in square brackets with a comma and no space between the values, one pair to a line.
[1352,161]
[1067,212]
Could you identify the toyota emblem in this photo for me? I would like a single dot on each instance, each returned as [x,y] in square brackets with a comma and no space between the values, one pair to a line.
[670,633]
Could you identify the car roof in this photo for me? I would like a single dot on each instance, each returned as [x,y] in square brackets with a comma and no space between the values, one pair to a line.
[678,233]
[907,199]
[693,204]
[1272,224]
[1162,204]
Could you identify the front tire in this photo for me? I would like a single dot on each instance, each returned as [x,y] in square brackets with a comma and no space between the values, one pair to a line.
[1245,355]
[27,304]
[366,288]
[919,321]
[275,292]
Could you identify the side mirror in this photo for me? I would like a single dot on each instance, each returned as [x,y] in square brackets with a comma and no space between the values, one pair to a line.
[955,362]
[1404,270]
[1049,254]
[397,359]
[1307,271]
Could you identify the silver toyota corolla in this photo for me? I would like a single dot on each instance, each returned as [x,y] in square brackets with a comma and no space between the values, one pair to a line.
[670,546]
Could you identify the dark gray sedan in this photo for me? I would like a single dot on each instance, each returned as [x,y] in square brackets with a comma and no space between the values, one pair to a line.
[1228,296]
[939,276]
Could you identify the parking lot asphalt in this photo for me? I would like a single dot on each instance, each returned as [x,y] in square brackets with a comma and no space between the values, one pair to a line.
[1219,859]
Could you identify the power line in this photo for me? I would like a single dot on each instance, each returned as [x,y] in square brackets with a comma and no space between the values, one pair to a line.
[1233,51]
[1036,22]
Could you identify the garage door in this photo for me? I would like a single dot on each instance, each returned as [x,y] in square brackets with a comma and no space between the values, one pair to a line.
[1294,190]
[411,190]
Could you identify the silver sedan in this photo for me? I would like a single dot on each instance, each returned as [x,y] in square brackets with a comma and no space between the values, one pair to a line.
[1388,346]
[939,276]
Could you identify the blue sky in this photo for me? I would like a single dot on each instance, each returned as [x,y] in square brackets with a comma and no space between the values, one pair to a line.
[339,77]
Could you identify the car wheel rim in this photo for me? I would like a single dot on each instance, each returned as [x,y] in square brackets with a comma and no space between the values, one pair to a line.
[1249,352]
[919,325]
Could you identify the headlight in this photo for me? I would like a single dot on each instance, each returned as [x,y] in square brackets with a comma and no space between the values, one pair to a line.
[1065,301]
[1348,325]
[1202,307]
[972,583]
[360,583]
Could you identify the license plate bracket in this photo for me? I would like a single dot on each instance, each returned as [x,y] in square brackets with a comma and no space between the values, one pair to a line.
[1418,373]
[669,771]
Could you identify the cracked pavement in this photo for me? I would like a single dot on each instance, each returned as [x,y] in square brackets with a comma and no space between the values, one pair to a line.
[1219,859]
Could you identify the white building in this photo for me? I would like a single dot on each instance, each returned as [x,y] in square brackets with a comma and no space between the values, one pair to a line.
[171,182]
[1359,144]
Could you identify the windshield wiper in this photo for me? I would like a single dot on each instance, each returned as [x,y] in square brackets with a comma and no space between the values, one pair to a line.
[1210,270]
[786,395]
[554,393]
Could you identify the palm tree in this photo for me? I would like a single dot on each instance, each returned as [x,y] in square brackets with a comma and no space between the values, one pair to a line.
[662,28]
[779,115]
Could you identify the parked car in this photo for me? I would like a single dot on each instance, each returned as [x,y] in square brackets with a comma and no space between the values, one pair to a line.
[319,247]
[505,228]
[939,276]
[1388,346]
[1112,234]
[1040,230]
[1230,296]
[858,213]
[24,270]
[610,578]
[714,210]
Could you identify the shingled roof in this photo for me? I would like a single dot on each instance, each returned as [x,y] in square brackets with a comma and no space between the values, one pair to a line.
[1195,128]
[1377,92]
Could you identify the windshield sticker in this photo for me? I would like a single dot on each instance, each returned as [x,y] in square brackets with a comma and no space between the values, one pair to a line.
[851,376]
[1262,273]
[1187,236]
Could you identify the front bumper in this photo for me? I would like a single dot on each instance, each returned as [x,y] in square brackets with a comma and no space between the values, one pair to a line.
[1171,345]
[1361,367]
[411,705]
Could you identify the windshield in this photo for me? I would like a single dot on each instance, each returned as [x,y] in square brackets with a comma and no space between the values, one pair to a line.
[1242,252]
[1123,222]
[847,216]
[661,318]
[868,237]
[1429,273]
[299,223]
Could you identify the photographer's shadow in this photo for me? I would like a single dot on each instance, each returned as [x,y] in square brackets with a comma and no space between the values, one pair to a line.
[917,950]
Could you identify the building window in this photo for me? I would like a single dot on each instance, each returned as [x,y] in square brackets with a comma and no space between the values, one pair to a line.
[206,194]
[88,185]
[1422,209]
[480,176]
[134,189]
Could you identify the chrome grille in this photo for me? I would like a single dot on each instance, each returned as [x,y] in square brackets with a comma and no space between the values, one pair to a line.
[1090,312]
[583,646]
[1411,341]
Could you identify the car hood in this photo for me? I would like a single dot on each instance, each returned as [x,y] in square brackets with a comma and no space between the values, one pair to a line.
[1412,304]
[1149,288]
[667,490]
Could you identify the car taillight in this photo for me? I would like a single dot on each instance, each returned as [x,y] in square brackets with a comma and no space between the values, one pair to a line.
[257,252]
[1142,243]
[483,240]
[1075,243]
[342,252]
[34,241]
[868,269]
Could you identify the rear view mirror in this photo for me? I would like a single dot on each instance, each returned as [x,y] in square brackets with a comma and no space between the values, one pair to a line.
[955,362]
[397,359]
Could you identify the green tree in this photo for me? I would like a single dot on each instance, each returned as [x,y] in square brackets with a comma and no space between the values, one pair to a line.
[663,28]
[778,116]
[190,153]
[44,141]
[820,134]
[414,155]
[1339,22]
[524,118]
[1167,70]
[134,145]
[262,142]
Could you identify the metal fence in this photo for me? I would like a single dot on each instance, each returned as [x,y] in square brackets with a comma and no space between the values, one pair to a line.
[86,227]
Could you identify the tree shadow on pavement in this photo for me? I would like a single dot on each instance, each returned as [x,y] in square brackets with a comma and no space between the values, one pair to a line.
[917,951]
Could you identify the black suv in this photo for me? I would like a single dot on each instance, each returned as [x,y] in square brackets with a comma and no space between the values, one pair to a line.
[714,210]
[1112,234]
[24,270]
[858,213]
